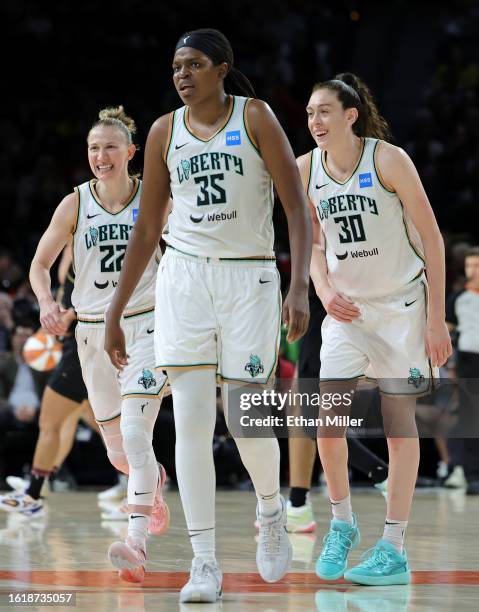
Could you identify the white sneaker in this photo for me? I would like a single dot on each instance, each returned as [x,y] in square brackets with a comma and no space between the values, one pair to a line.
[300,519]
[21,485]
[130,558]
[204,585]
[274,552]
[21,503]
[114,512]
[117,492]
[456,480]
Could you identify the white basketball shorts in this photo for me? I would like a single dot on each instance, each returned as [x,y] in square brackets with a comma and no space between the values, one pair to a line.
[222,314]
[107,386]
[386,342]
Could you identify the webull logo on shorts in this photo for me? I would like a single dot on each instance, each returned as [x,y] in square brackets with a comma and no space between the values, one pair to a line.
[147,379]
[254,366]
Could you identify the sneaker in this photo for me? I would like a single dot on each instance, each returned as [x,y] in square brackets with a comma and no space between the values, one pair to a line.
[21,503]
[383,487]
[160,514]
[115,493]
[204,585]
[115,512]
[274,551]
[442,471]
[21,485]
[300,519]
[341,538]
[382,566]
[456,480]
[130,558]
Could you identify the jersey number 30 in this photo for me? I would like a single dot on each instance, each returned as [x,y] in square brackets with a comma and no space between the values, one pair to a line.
[210,191]
[352,229]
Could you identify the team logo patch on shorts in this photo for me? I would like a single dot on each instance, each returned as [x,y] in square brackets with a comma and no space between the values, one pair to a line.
[415,377]
[254,366]
[147,379]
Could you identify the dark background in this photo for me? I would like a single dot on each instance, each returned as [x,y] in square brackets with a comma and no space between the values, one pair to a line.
[63,61]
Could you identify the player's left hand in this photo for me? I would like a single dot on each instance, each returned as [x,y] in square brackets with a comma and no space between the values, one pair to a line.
[438,343]
[296,314]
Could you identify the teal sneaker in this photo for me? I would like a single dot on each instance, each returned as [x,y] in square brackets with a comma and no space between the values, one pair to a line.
[341,538]
[382,566]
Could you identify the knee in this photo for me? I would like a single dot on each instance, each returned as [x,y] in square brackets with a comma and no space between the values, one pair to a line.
[395,445]
[118,460]
[137,444]
[49,428]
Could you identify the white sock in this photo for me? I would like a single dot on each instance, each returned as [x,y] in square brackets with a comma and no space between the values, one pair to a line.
[394,533]
[194,405]
[138,526]
[203,542]
[269,504]
[342,510]
[261,457]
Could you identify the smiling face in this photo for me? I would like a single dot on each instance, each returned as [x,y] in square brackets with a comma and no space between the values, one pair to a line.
[328,121]
[109,152]
[195,76]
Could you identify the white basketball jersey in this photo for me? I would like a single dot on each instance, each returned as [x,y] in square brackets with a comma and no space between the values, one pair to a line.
[222,192]
[99,244]
[369,239]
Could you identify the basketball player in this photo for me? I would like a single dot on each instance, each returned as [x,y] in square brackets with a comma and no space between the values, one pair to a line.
[218,285]
[100,216]
[63,402]
[369,199]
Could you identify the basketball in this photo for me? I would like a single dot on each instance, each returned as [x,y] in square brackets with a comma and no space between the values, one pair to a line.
[42,351]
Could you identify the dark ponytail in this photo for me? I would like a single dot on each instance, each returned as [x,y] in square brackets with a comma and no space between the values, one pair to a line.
[352,92]
[217,47]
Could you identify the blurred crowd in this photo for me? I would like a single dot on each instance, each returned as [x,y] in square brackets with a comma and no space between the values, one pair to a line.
[120,53]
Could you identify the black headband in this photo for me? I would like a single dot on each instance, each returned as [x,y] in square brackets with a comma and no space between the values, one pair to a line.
[347,87]
[206,44]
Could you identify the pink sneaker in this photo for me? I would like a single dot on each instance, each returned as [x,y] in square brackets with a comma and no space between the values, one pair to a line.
[130,558]
[160,515]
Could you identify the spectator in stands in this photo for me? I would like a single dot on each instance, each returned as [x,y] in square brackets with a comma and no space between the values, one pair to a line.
[463,316]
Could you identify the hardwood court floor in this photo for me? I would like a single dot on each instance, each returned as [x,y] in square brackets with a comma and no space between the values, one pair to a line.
[66,551]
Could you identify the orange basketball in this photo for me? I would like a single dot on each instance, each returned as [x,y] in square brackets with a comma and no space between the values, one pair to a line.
[42,351]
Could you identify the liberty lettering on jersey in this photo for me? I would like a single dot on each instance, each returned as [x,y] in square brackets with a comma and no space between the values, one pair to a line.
[112,255]
[110,231]
[211,188]
[351,227]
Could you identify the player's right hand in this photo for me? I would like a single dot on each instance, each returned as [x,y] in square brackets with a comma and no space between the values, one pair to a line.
[340,307]
[115,344]
[51,317]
